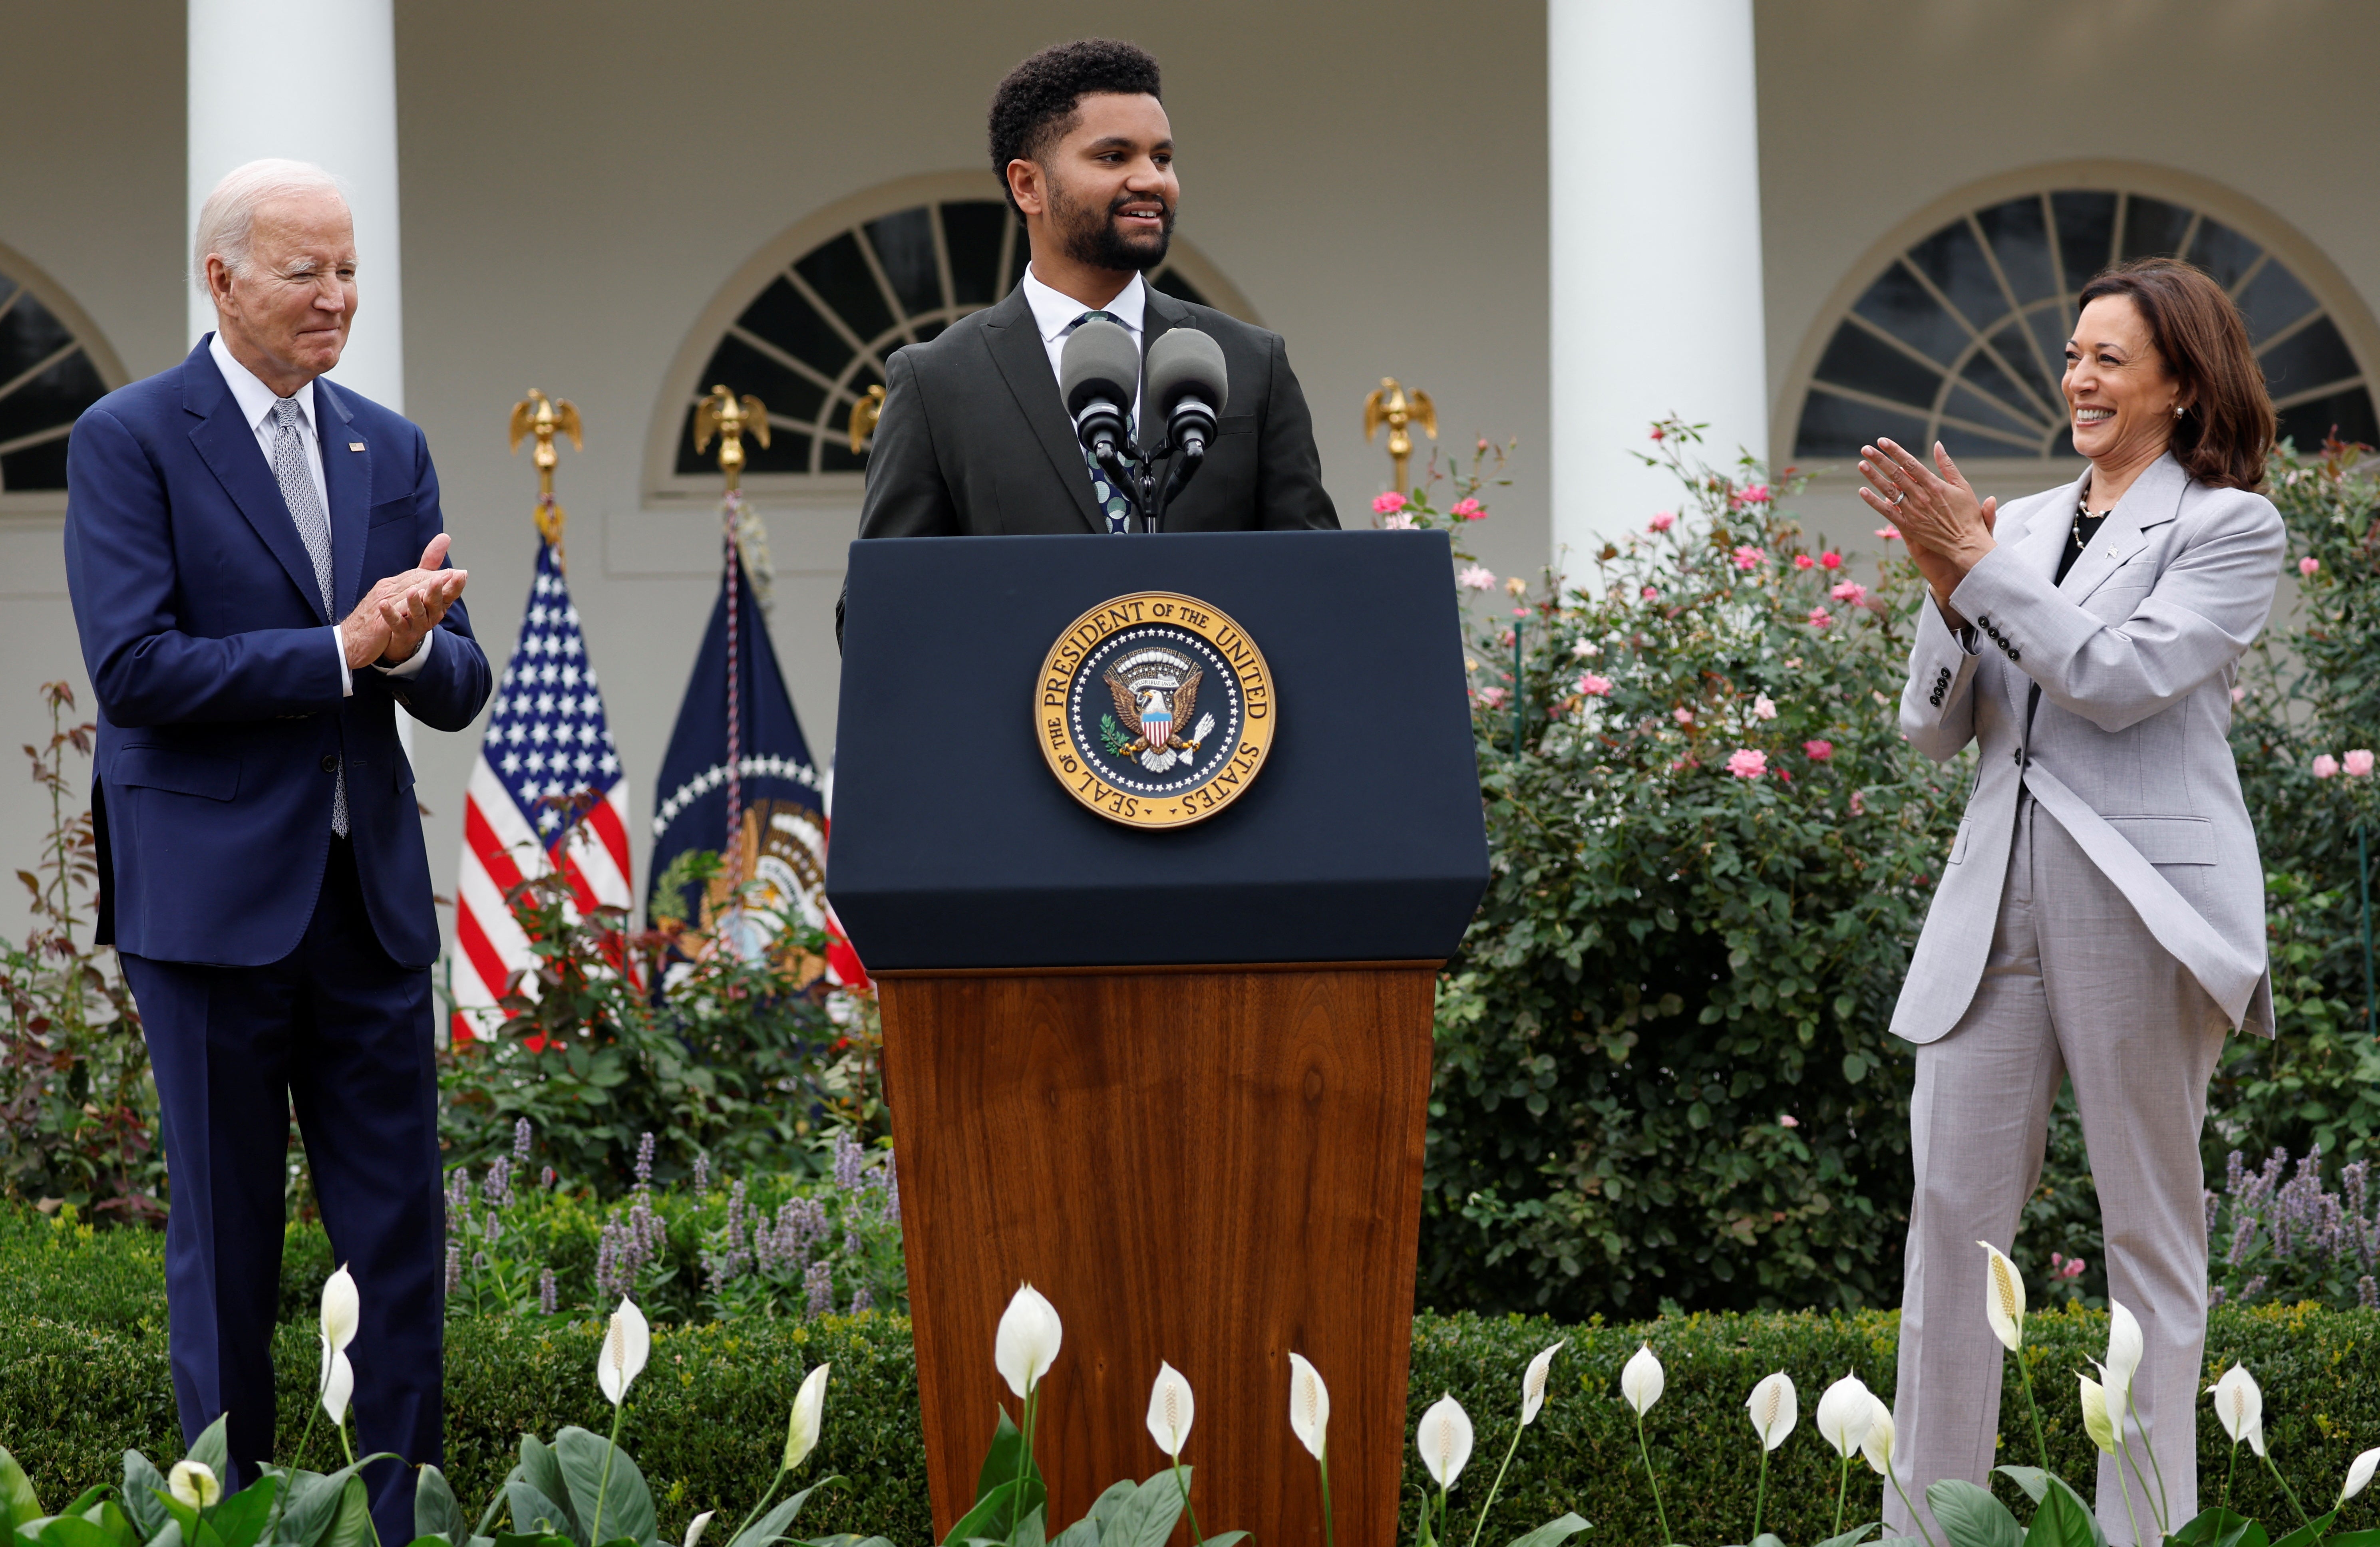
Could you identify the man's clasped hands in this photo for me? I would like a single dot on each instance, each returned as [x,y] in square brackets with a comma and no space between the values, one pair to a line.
[388,625]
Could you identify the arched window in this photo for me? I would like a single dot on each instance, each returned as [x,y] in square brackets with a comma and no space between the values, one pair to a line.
[51,369]
[813,321]
[1961,338]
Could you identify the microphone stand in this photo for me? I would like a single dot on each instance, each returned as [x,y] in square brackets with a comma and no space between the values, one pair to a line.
[1144,475]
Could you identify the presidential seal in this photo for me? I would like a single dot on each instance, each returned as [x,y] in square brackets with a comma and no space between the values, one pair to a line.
[1155,709]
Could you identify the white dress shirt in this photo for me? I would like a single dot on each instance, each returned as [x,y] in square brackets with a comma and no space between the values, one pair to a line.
[256,401]
[1055,314]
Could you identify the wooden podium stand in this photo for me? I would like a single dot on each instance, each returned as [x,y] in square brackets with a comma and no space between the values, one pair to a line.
[1215,1166]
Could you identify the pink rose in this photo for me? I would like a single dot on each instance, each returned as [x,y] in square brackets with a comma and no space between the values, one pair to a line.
[1683,715]
[1859,803]
[1803,561]
[1657,432]
[1744,763]
[1830,560]
[1651,595]
[1593,686]
[1818,752]
[1764,707]
[1756,494]
[2308,564]
[1387,505]
[1820,617]
[1662,521]
[2324,764]
[2238,694]
[1478,577]
[1788,1121]
[1491,697]
[2359,762]
[1850,591]
[1888,533]
[1469,510]
[1398,524]
[1749,558]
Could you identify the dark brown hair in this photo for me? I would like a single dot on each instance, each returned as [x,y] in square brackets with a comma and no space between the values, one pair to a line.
[1036,103]
[2222,437]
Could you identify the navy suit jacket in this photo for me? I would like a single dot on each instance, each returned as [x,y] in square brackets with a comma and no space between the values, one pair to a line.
[220,719]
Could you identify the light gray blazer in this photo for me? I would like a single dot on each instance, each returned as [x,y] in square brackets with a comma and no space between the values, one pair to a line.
[2135,653]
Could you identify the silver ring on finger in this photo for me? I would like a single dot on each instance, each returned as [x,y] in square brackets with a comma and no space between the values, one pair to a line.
[1900,497]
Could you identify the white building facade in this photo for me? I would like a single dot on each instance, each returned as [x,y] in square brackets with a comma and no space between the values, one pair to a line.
[1805,221]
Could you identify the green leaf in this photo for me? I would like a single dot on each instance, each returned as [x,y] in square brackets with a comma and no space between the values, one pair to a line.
[18,1505]
[627,1503]
[1970,1517]
[2355,1539]
[2212,1526]
[534,1513]
[435,1512]
[73,1530]
[1103,1509]
[1228,1539]
[213,1448]
[1084,1533]
[2309,1533]
[240,1519]
[1148,1518]
[315,1502]
[352,1525]
[1552,1533]
[2062,1521]
[1030,1532]
[1852,1539]
[2032,1480]
[984,1522]
[115,1523]
[533,1538]
[541,1469]
[999,1464]
[772,1526]
[142,1483]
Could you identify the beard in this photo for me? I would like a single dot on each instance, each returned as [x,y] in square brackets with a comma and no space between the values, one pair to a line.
[1089,235]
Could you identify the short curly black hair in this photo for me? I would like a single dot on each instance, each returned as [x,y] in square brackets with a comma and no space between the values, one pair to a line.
[1036,102]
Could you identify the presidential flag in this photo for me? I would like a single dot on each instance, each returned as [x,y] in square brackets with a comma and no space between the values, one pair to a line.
[547,756]
[739,781]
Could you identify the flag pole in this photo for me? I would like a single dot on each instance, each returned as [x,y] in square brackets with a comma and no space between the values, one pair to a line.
[728,417]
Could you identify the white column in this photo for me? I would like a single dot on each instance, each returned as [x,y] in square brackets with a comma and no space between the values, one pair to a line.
[317,83]
[1654,190]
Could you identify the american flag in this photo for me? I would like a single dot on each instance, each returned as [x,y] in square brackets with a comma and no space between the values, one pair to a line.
[547,738]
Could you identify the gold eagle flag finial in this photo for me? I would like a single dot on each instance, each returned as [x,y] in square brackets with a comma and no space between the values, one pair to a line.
[731,419]
[546,418]
[864,415]
[1392,406]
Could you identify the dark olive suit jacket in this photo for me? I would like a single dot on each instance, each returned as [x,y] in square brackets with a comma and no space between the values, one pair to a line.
[974,441]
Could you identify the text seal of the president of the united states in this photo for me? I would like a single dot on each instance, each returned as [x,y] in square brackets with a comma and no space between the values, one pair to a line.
[1155,709]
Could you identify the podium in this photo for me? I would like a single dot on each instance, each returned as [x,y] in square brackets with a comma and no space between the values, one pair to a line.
[1174,1077]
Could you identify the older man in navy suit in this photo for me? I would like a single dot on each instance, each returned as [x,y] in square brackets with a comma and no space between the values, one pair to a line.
[258,563]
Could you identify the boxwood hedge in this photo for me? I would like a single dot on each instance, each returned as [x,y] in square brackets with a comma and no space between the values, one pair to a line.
[83,1376]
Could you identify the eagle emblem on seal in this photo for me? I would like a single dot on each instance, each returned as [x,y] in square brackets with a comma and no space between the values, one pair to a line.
[1156,692]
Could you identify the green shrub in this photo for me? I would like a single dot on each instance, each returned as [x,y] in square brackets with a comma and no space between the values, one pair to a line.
[1663,1073]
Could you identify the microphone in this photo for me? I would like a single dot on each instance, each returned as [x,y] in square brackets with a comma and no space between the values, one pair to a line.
[1188,387]
[1095,373]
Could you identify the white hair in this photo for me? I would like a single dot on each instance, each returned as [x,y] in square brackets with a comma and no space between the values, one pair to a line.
[227,220]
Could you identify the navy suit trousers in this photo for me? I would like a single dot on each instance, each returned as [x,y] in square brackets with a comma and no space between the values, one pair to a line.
[345,1034]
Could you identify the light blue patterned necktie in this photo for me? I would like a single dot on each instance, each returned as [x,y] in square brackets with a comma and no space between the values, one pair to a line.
[1114,502]
[314,529]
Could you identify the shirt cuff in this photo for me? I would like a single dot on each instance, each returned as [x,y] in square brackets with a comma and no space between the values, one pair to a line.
[347,679]
[412,664]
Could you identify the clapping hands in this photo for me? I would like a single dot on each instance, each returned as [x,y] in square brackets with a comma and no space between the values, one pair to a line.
[1947,529]
[389,623]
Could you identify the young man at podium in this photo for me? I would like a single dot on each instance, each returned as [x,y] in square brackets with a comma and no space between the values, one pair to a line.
[974,438]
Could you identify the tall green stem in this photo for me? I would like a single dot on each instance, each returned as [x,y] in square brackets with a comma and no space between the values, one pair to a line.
[2132,1519]
[1760,1494]
[1919,1520]
[1323,1461]
[1024,1459]
[1197,1537]
[2024,1378]
[1843,1491]
[1660,1513]
[2228,1472]
[2289,1491]
[602,1483]
[2164,1503]
[1496,1486]
[772,1494]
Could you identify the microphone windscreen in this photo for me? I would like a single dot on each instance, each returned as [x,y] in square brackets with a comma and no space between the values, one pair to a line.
[1100,360]
[1186,362]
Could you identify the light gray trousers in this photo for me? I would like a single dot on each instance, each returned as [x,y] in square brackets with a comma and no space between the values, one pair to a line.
[2074,986]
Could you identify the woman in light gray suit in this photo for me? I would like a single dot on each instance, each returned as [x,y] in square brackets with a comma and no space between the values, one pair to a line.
[2102,912]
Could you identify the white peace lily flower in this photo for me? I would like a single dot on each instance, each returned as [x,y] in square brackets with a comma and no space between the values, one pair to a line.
[1028,1339]
[1310,1406]
[2095,1421]
[342,1310]
[1641,1381]
[194,1483]
[809,1416]
[2359,1474]
[1845,1410]
[338,1384]
[2125,1345]
[2003,1298]
[1774,1408]
[627,1343]
[1877,1447]
[1444,1440]
[2240,1407]
[694,1531]
[1171,1409]
[1533,1383]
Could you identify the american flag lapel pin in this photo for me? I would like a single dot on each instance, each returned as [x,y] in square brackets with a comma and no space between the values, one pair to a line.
[355,445]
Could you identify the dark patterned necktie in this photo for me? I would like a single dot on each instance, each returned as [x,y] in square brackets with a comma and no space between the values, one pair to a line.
[1114,502]
[313,529]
